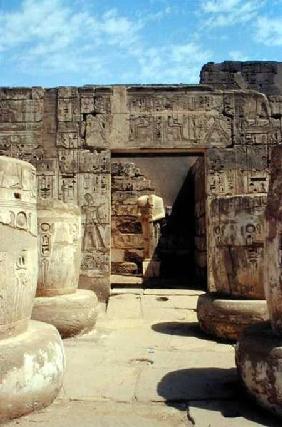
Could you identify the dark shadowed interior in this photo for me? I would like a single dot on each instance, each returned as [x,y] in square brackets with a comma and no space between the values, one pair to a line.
[170,177]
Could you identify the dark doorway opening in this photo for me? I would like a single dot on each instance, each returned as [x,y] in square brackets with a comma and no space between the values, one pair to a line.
[181,250]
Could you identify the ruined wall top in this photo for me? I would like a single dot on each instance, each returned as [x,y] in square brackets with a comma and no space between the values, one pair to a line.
[263,76]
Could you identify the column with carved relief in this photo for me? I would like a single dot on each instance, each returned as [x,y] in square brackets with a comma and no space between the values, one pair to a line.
[32,355]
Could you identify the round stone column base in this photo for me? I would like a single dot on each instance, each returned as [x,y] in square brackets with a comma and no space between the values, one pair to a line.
[227,318]
[31,370]
[259,365]
[71,314]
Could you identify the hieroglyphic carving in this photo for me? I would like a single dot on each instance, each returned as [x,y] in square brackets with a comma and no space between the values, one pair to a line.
[243,170]
[69,152]
[96,233]
[59,226]
[68,109]
[165,101]
[68,161]
[18,243]
[13,111]
[68,188]
[95,184]
[46,230]
[95,104]
[235,249]
[180,129]
[68,140]
[95,130]
[47,179]
[95,161]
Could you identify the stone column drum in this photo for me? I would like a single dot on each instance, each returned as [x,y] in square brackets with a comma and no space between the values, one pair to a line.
[32,356]
[236,296]
[58,301]
[259,350]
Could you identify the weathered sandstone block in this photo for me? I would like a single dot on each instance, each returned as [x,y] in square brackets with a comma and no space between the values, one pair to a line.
[18,244]
[259,365]
[235,266]
[58,301]
[32,368]
[59,240]
[273,243]
[227,318]
[71,314]
[259,350]
[236,252]
[32,355]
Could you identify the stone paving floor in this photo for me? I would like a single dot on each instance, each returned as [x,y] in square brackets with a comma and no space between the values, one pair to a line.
[148,364]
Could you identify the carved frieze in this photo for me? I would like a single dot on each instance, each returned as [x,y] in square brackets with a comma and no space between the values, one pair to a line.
[26,110]
[167,102]
[180,129]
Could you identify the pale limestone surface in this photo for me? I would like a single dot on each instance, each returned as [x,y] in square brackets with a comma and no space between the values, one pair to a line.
[59,246]
[18,244]
[153,371]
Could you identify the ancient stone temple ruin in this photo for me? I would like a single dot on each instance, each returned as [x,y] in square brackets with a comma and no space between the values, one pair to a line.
[158,185]
[204,149]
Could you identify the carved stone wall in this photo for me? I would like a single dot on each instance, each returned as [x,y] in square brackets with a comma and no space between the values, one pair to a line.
[200,248]
[128,184]
[263,76]
[68,133]
[62,132]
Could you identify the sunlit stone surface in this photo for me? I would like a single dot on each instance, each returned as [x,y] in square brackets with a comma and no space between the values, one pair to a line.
[32,356]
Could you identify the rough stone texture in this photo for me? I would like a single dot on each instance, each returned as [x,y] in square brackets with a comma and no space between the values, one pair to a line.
[259,351]
[236,246]
[32,367]
[59,245]
[68,133]
[128,371]
[273,243]
[227,318]
[200,239]
[58,301]
[263,76]
[72,314]
[18,244]
[259,361]
[32,356]
[127,185]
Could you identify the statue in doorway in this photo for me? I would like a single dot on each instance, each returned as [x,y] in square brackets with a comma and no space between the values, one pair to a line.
[151,210]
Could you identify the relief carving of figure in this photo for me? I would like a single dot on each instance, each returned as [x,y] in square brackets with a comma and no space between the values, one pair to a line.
[94,231]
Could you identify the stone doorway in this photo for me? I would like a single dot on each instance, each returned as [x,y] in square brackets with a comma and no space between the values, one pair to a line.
[179,179]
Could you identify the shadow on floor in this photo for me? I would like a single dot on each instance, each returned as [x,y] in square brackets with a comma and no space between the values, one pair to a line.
[212,389]
[185,329]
